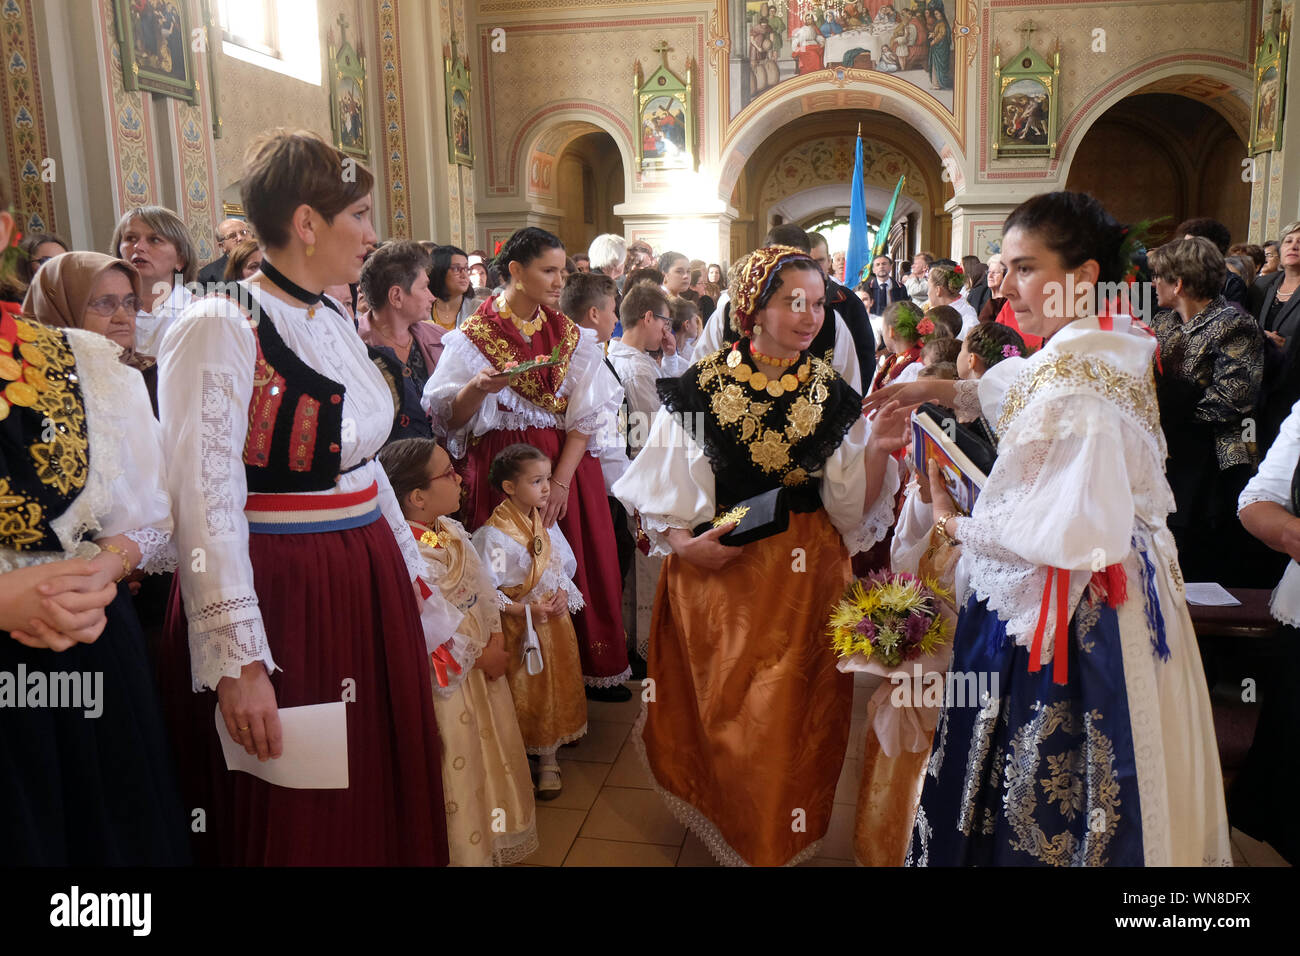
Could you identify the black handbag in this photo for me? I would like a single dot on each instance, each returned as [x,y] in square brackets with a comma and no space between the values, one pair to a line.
[759,517]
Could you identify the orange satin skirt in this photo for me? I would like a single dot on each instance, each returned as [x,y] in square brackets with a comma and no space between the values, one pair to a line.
[551,707]
[748,725]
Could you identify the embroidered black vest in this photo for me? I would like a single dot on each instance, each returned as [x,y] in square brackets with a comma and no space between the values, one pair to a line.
[44,448]
[295,421]
[756,441]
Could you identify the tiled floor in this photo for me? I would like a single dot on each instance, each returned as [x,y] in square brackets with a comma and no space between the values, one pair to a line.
[608,815]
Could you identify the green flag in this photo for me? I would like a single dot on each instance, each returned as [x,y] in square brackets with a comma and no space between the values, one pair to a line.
[887,220]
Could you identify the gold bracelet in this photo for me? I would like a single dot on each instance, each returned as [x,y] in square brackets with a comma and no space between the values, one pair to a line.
[127,567]
[556,481]
[942,527]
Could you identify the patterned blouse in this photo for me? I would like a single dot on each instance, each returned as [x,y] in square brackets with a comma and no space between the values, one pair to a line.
[1212,369]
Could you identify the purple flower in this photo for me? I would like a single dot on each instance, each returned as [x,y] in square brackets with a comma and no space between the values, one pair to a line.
[867,629]
[1010,351]
[915,628]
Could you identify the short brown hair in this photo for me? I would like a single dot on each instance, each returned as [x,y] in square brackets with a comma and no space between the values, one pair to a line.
[395,264]
[585,290]
[510,461]
[638,300]
[681,310]
[285,169]
[406,462]
[942,349]
[942,370]
[168,225]
[1197,261]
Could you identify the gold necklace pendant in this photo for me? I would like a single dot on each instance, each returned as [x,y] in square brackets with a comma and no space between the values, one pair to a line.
[760,382]
[537,544]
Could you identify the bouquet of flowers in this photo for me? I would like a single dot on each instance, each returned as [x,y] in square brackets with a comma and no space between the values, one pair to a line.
[890,618]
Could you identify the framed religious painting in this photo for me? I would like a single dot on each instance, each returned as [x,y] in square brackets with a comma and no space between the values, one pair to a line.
[665,114]
[1270,88]
[347,71]
[1026,103]
[460,149]
[154,40]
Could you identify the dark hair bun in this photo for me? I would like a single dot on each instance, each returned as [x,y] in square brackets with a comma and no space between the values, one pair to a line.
[524,246]
[1077,228]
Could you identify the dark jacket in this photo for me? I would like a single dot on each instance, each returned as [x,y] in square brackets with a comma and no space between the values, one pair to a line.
[882,296]
[1281,368]
[845,303]
[214,271]
[978,295]
[1234,289]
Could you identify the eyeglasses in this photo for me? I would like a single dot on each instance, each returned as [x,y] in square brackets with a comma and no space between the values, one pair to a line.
[446,474]
[666,318]
[107,305]
[459,270]
[42,260]
[239,234]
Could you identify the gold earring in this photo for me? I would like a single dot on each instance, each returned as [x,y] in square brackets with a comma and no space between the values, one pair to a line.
[758,329]
[311,250]
[519,287]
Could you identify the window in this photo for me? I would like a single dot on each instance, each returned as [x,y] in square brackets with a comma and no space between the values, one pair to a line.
[279,35]
[251,24]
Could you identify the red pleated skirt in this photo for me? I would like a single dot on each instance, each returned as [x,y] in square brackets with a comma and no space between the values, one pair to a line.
[602,644]
[337,607]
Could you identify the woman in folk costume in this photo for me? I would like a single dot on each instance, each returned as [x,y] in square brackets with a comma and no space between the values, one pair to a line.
[86,776]
[747,730]
[491,818]
[1098,746]
[300,573]
[534,568]
[481,408]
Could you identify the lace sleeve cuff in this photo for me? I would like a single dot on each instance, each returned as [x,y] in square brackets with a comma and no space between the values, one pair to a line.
[879,518]
[967,402]
[656,529]
[157,551]
[223,638]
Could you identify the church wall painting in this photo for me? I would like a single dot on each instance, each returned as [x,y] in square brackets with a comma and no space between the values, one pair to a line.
[772,43]
[155,39]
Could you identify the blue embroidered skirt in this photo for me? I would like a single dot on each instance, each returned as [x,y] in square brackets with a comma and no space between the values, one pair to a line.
[1032,773]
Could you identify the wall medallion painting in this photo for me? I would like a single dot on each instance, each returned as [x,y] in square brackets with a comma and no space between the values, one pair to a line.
[1026,102]
[1270,88]
[154,38]
[347,71]
[459,147]
[665,111]
[774,42]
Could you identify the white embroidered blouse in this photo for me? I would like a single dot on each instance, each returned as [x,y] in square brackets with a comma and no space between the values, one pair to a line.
[205,383]
[1273,483]
[125,490]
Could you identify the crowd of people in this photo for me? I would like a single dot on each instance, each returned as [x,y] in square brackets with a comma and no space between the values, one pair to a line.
[462,494]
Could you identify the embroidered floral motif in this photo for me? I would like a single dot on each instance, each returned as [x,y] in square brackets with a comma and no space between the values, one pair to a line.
[1067,370]
[20,519]
[1064,783]
[804,417]
[485,331]
[772,453]
[730,404]
[62,453]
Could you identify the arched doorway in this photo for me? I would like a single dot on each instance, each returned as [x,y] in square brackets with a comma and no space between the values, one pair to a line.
[588,184]
[1164,154]
[803,171]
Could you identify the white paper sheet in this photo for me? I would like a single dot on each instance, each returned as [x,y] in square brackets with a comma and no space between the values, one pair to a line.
[315,749]
[1209,595]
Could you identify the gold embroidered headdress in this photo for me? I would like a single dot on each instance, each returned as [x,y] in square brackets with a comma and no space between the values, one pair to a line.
[756,278]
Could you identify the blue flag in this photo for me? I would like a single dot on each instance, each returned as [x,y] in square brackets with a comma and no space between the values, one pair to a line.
[858,256]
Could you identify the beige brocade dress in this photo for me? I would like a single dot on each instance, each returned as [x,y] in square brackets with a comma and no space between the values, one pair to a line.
[491,816]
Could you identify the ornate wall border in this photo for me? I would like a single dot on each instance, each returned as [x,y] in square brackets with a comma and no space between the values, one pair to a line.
[133,172]
[20,104]
[392,133]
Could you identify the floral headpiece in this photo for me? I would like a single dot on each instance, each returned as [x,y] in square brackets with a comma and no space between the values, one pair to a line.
[909,323]
[756,278]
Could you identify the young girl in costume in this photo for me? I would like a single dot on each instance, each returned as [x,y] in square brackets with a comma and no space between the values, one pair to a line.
[905,333]
[484,769]
[534,566]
